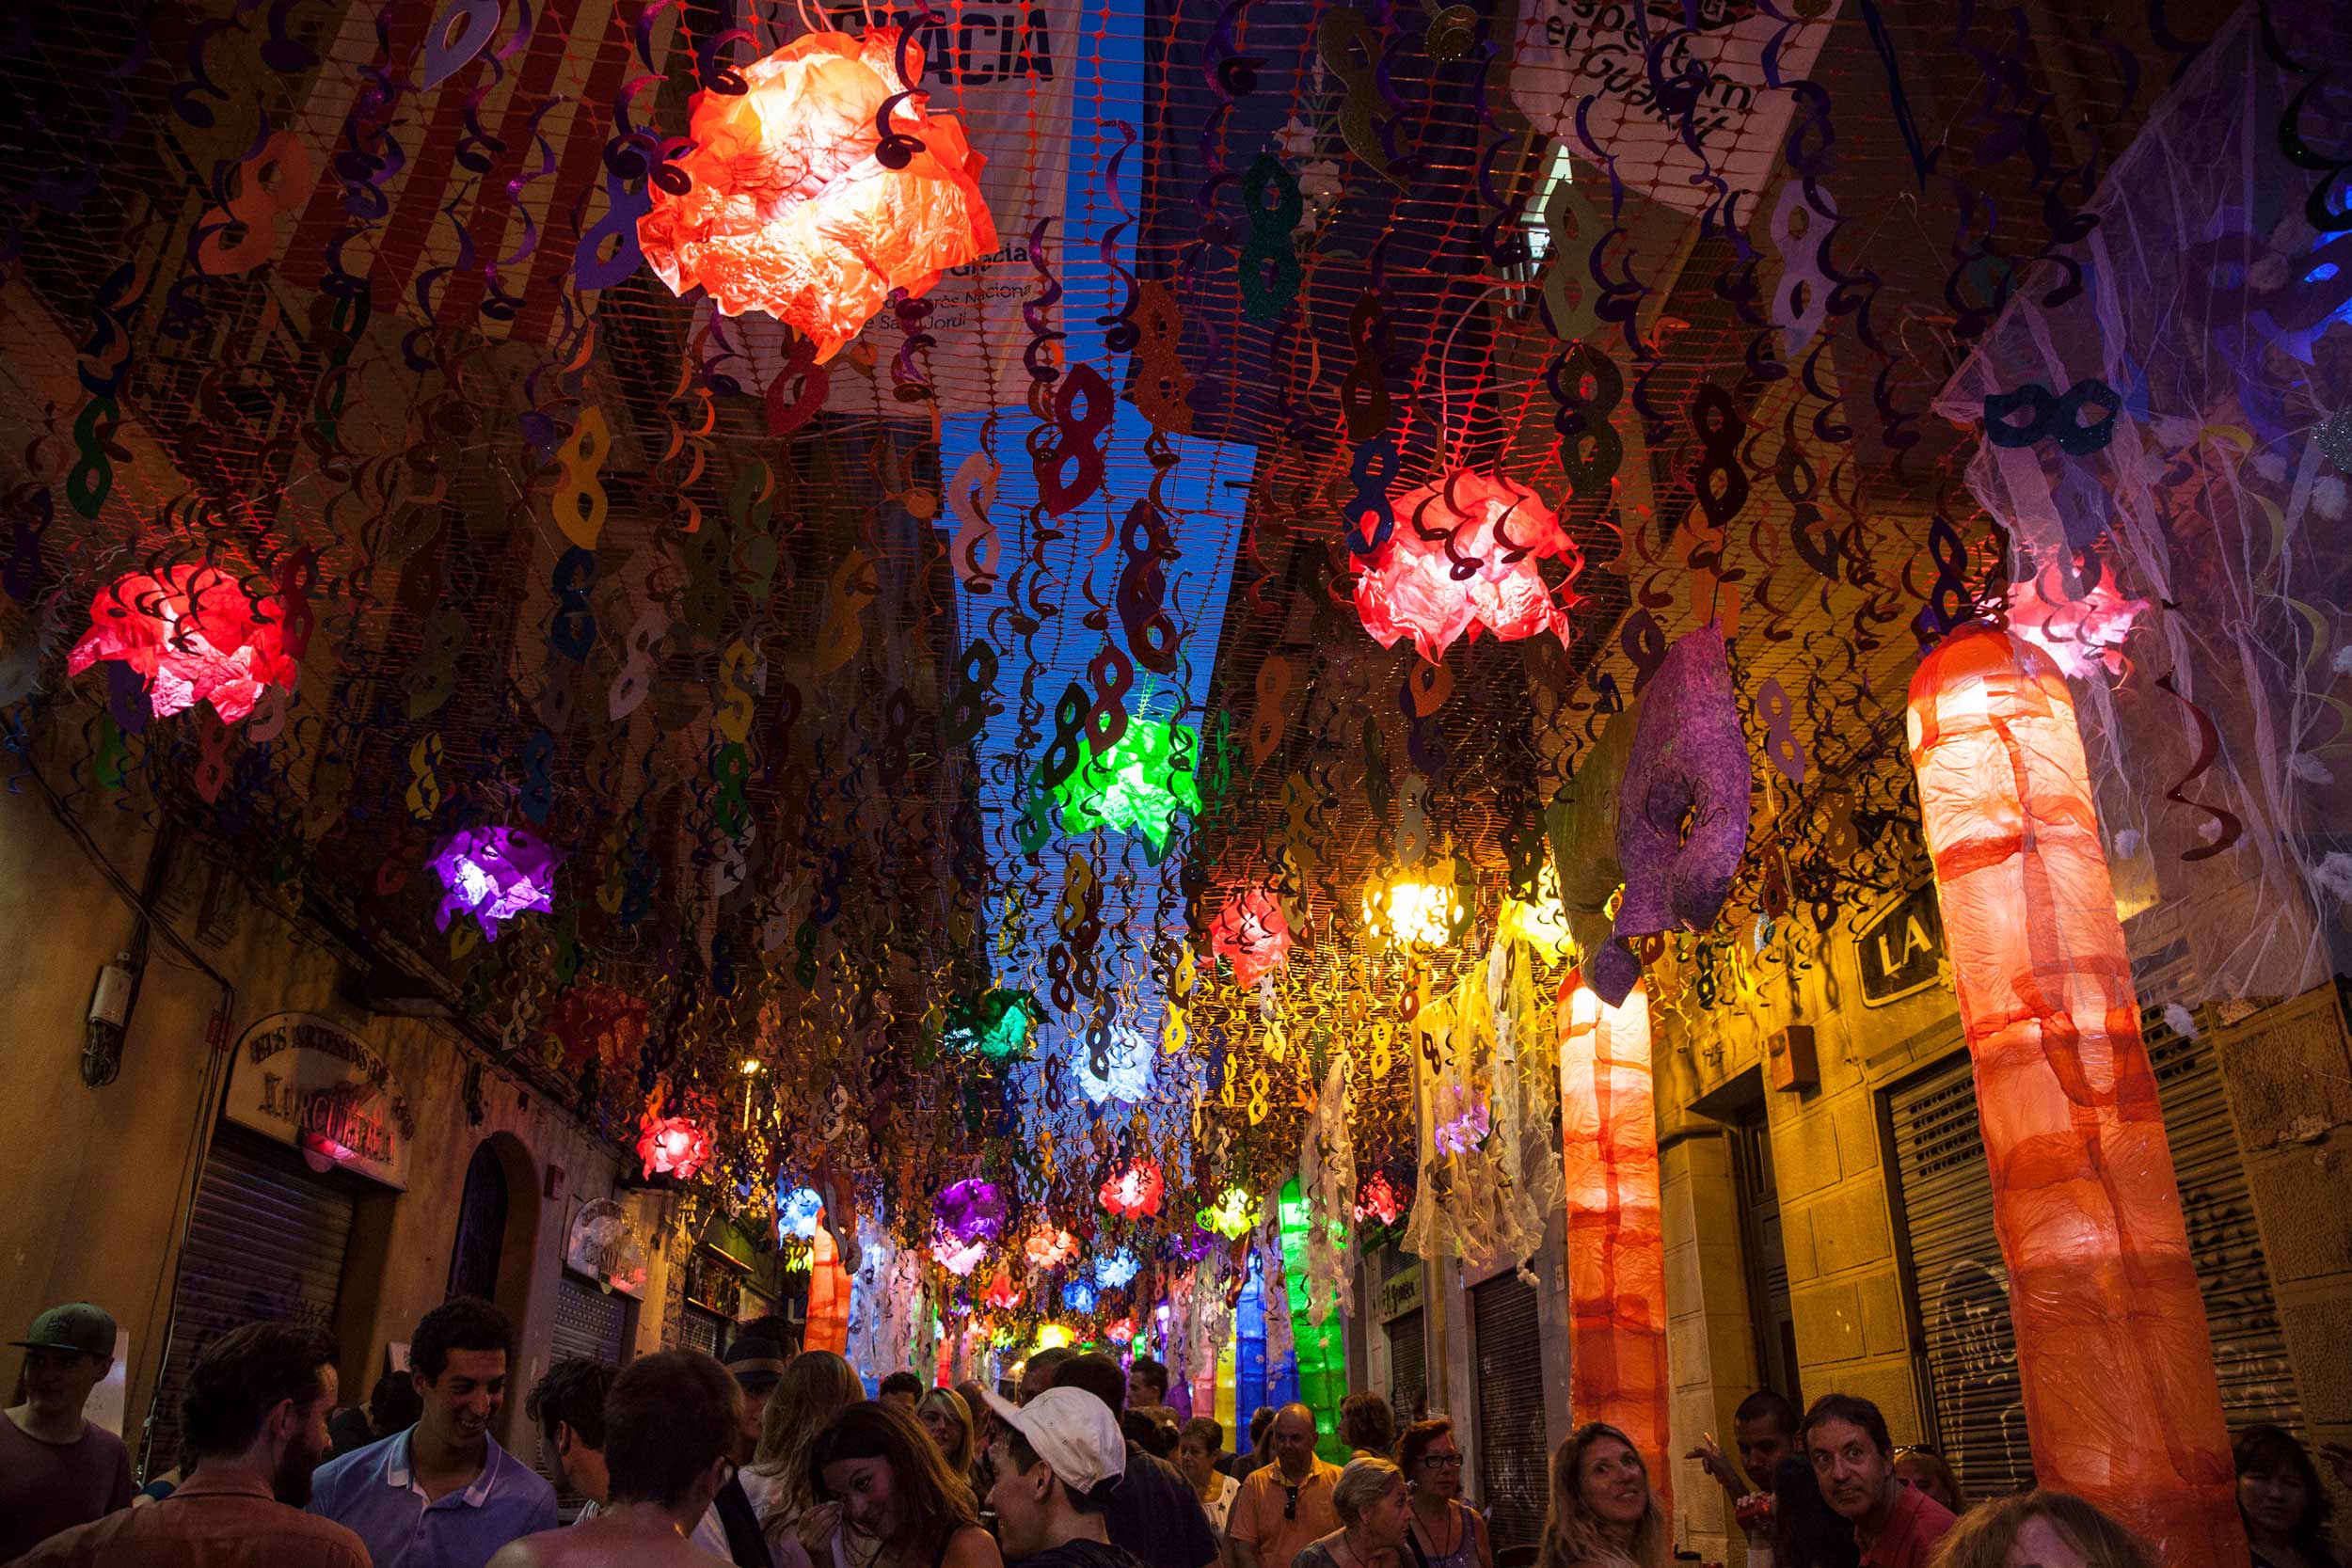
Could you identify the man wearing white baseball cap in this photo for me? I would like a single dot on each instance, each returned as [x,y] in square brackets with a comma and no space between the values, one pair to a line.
[1052,1463]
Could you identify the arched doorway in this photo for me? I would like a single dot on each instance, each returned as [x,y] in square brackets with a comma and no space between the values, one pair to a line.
[473,1260]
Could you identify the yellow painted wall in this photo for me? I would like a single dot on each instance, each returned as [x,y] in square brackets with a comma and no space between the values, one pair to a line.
[96,1182]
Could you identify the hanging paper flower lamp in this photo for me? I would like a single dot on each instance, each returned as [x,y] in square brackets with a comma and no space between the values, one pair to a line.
[798,206]
[798,1213]
[1133,1192]
[1251,934]
[1123,1332]
[194,636]
[1137,786]
[971,1210]
[1233,1216]
[997,1024]
[1126,1074]
[1479,572]
[1467,1127]
[1411,913]
[1116,1271]
[958,1258]
[1078,1296]
[671,1146]
[1049,1248]
[1541,921]
[1378,1200]
[494,874]
[1002,1293]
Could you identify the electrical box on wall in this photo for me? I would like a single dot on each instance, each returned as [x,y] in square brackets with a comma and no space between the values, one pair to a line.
[1790,1054]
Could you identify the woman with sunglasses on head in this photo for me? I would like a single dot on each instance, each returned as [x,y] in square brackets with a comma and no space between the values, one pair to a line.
[901,1503]
[1440,1529]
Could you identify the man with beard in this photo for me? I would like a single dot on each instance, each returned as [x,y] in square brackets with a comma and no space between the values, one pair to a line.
[443,1494]
[253,1427]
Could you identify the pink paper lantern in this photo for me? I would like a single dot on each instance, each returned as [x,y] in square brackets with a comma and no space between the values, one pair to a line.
[1133,1192]
[195,636]
[795,208]
[1251,934]
[671,1146]
[1479,571]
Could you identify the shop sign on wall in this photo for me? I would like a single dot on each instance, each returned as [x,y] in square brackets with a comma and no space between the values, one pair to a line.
[1901,950]
[310,1084]
[1400,1292]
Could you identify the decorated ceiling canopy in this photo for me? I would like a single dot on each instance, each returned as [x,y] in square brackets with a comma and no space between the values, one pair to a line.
[1012,613]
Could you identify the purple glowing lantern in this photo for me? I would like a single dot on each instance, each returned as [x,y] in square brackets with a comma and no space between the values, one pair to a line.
[494,874]
[972,1212]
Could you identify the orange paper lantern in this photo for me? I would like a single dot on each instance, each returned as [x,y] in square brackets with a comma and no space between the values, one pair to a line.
[795,207]
[2112,1348]
[1617,1251]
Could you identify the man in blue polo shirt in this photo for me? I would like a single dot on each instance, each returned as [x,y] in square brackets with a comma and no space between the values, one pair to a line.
[442,1494]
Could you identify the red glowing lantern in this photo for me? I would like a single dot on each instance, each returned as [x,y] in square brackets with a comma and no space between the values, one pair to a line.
[195,636]
[1463,557]
[1378,1201]
[800,206]
[1251,934]
[671,1146]
[1002,1294]
[2113,1354]
[1616,1249]
[1133,1192]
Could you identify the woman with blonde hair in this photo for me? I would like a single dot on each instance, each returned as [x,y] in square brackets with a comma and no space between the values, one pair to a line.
[1603,1513]
[948,1420]
[816,1386]
[1369,1498]
[2051,1529]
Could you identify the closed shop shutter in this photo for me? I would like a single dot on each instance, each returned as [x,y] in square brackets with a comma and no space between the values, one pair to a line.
[1513,1447]
[1408,1367]
[1969,1345]
[590,1325]
[699,1330]
[588,1321]
[265,1243]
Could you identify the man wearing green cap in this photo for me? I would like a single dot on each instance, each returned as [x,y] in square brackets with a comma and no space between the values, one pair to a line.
[57,1470]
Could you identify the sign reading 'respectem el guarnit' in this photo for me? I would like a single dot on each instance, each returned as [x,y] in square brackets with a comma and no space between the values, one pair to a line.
[313,1085]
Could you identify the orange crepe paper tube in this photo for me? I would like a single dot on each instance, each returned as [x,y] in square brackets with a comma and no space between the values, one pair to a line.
[1617,1251]
[2112,1348]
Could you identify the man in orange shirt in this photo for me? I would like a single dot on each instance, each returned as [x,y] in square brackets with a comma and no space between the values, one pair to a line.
[1286,1504]
[253,1423]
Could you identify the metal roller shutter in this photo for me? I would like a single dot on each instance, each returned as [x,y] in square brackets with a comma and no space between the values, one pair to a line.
[1408,1367]
[1962,1289]
[265,1242]
[589,1325]
[1514,1449]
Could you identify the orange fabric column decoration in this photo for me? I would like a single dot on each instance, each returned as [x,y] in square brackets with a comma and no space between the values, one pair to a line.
[827,1296]
[2112,1348]
[1616,1252]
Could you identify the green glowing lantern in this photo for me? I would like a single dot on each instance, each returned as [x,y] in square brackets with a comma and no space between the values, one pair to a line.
[1138,786]
[1322,1349]
[995,1025]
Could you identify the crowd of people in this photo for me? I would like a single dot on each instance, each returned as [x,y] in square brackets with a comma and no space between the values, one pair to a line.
[765,1460]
